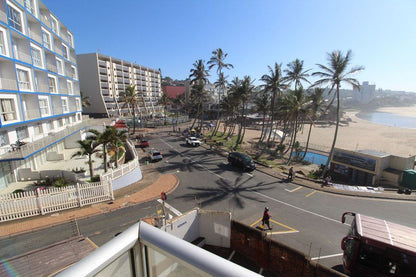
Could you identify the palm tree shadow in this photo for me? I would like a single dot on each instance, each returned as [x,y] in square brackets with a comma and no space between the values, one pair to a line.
[238,191]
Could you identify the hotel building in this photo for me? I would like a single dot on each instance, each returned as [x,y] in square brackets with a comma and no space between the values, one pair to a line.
[40,102]
[103,80]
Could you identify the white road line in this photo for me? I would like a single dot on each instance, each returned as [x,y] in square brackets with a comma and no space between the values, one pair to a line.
[232,255]
[290,205]
[287,190]
[327,256]
[265,196]
[172,209]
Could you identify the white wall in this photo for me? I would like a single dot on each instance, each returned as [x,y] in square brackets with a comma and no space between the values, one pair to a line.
[185,227]
[215,227]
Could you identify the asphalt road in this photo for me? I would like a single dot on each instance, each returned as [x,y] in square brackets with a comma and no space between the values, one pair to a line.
[302,218]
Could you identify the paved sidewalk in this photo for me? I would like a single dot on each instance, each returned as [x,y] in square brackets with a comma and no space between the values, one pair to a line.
[166,183]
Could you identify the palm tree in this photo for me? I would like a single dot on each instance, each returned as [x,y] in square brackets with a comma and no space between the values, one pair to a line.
[221,83]
[316,102]
[88,147]
[130,99]
[117,139]
[262,105]
[334,74]
[273,83]
[296,74]
[164,101]
[199,77]
[85,100]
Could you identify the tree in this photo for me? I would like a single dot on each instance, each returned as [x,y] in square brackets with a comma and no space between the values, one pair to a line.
[334,74]
[296,74]
[117,139]
[130,99]
[199,77]
[262,106]
[85,100]
[164,101]
[273,83]
[88,147]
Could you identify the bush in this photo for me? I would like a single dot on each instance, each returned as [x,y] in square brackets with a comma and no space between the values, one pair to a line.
[18,191]
[60,182]
[316,174]
[95,178]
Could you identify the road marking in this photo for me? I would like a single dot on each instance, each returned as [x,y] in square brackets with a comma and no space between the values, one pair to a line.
[313,192]
[290,229]
[232,255]
[293,190]
[249,174]
[290,205]
[328,256]
[172,209]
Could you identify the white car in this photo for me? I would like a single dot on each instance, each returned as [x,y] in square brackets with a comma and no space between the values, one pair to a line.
[155,155]
[193,141]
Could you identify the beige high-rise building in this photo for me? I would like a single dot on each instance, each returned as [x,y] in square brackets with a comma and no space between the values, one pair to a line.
[104,78]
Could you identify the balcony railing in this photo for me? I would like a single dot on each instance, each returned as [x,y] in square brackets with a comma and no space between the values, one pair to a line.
[36,37]
[22,56]
[32,114]
[52,67]
[8,84]
[6,153]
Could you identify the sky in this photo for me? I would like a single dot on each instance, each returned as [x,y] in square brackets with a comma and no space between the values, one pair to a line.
[172,35]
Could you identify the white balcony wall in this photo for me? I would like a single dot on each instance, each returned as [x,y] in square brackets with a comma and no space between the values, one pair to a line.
[8,75]
[30,106]
[42,81]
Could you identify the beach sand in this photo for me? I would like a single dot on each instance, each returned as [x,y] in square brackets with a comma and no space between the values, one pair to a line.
[361,134]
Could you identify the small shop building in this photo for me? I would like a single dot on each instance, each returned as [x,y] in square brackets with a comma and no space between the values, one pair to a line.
[369,167]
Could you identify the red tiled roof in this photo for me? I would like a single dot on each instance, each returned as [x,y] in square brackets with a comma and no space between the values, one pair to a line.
[174,91]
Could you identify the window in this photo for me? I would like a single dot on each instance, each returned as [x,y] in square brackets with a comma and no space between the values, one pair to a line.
[15,17]
[60,66]
[61,122]
[21,133]
[23,76]
[44,106]
[70,39]
[37,129]
[78,103]
[4,139]
[55,24]
[37,56]
[65,51]
[8,109]
[3,42]
[49,126]
[70,87]
[52,84]
[30,6]
[78,117]
[73,72]
[65,107]
[46,38]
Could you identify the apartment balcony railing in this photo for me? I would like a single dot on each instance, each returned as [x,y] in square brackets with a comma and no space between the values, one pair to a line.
[104,91]
[73,59]
[102,63]
[8,84]
[28,149]
[32,114]
[108,99]
[43,87]
[36,37]
[22,56]
[51,67]
[103,70]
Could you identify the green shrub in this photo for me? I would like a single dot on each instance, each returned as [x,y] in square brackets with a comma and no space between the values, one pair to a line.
[95,178]
[60,182]
[18,191]
[80,170]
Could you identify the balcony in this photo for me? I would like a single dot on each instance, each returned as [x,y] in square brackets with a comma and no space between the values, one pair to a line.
[103,71]
[108,98]
[51,67]
[31,114]
[102,63]
[104,91]
[30,148]
[8,84]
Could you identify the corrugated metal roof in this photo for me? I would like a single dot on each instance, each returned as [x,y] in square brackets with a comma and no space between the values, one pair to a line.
[390,233]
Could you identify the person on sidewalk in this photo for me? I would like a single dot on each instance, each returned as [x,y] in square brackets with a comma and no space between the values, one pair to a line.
[266,218]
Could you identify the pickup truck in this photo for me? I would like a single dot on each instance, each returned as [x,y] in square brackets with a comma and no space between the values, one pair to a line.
[192,141]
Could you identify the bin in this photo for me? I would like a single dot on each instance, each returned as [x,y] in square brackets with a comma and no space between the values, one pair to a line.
[409,179]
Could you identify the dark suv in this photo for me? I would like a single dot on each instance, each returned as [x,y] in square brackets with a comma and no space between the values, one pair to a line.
[242,161]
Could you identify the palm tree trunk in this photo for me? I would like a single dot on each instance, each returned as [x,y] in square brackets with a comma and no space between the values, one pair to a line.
[105,157]
[293,142]
[331,153]
[91,167]
[307,141]
[134,120]
[117,151]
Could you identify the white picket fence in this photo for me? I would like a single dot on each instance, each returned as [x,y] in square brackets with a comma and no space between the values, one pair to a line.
[31,203]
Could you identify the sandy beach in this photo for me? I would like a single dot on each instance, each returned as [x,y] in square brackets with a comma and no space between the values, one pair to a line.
[361,134]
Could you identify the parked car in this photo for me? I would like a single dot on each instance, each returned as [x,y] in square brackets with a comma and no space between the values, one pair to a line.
[242,161]
[144,144]
[193,141]
[155,155]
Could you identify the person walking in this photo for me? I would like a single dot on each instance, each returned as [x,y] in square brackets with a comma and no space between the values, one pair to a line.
[266,218]
[290,175]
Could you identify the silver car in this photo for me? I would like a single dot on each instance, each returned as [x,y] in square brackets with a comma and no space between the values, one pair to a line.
[155,155]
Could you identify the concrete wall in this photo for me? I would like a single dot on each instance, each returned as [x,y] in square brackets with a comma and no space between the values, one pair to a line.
[54,156]
[215,227]
[402,163]
[133,176]
[273,256]
[71,142]
[185,226]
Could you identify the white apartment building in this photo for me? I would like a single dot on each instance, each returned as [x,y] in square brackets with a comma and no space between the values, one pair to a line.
[104,78]
[40,103]
[365,94]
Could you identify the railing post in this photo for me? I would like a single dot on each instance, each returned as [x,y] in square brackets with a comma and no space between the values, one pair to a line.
[78,195]
[39,200]
[110,187]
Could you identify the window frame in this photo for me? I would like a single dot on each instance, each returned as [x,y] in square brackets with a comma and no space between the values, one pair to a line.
[56,21]
[74,74]
[47,106]
[65,51]
[70,38]
[10,20]
[70,86]
[46,32]
[32,7]
[29,72]
[3,34]
[65,106]
[78,104]
[33,46]
[38,127]
[60,69]
[52,77]
[13,98]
